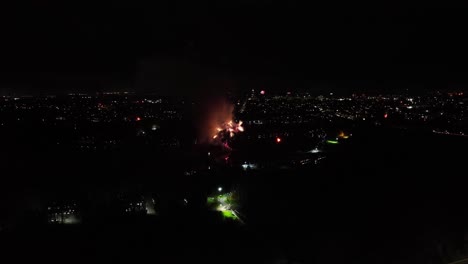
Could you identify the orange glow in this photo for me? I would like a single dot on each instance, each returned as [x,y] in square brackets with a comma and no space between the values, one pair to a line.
[343,135]
[230,127]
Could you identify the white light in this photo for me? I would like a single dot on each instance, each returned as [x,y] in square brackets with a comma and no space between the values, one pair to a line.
[315,150]
[220,189]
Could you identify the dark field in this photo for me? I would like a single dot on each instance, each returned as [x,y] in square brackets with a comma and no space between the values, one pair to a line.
[383,196]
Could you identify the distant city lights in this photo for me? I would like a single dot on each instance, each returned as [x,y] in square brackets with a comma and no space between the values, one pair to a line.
[246,166]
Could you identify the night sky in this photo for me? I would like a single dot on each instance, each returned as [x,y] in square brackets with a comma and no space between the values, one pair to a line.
[56,47]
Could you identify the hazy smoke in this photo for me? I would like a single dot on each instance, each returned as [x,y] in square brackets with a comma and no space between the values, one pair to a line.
[207,87]
[213,113]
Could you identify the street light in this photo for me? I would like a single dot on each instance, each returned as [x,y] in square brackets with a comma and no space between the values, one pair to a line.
[220,189]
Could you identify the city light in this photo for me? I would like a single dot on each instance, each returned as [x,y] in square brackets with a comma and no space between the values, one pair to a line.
[315,150]
[246,166]
[278,140]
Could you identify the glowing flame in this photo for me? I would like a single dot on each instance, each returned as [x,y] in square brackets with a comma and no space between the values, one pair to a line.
[228,130]
[240,127]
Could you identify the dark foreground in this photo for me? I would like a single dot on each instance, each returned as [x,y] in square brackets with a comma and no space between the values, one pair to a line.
[382,197]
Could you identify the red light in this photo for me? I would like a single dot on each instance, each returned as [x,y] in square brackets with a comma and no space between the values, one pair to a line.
[262,92]
[278,140]
[138,118]
[385,116]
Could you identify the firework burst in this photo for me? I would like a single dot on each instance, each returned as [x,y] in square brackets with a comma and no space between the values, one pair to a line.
[227,130]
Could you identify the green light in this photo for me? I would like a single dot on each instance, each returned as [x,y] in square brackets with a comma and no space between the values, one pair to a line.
[223,203]
[332,142]
[229,214]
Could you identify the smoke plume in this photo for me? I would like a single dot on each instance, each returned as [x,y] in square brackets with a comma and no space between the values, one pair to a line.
[208,88]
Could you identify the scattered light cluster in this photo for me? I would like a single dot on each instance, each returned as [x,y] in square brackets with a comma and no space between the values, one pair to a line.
[64,213]
[106,108]
[95,123]
[442,112]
